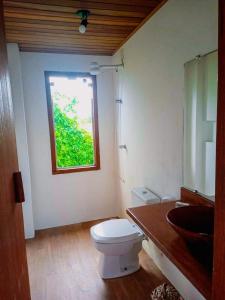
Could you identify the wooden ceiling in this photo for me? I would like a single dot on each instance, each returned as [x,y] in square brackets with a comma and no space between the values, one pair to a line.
[52,26]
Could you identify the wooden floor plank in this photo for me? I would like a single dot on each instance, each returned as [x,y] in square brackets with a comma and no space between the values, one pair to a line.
[63,265]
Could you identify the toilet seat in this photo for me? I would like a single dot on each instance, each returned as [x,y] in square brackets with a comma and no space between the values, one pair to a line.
[115,231]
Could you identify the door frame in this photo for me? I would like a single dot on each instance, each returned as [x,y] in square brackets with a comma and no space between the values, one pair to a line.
[218,281]
[14,280]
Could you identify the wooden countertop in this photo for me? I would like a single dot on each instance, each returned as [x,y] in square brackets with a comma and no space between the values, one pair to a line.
[152,220]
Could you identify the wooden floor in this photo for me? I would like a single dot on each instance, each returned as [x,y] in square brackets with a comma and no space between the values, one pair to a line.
[63,265]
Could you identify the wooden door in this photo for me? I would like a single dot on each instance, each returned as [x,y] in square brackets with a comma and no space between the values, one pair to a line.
[14,283]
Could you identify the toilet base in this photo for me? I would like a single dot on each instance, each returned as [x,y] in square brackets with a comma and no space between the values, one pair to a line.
[118,266]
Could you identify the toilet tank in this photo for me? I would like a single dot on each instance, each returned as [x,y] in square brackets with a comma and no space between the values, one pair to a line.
[142,196]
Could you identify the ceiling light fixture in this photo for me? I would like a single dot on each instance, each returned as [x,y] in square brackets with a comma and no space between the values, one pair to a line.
[83,14]
[95,68]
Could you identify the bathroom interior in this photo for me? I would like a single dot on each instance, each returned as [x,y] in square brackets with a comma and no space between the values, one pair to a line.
[141,214]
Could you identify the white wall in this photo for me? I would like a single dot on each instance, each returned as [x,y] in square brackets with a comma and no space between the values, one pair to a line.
[152,89]
[75,197]
[21,134]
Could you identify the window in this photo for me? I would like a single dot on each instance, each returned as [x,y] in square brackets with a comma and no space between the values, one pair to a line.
[73,121]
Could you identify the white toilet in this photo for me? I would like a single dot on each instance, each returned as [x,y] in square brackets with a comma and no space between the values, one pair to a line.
[120,241]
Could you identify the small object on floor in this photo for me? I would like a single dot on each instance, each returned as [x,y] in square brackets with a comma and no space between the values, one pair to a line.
[165,291]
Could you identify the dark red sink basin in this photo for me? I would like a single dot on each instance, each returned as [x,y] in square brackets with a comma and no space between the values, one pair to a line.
[193,223]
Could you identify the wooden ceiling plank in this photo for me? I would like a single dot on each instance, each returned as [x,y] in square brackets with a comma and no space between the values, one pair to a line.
[58,47]
[75,36]
[48,46]
[68,33]
[96,11]
[71,31]
[99,42]
[63,47]
[71,40]
[67,26]
[145,3]
[140,6]
[100,45]
[71,16]
[95,50]
[32,16]
[65,51]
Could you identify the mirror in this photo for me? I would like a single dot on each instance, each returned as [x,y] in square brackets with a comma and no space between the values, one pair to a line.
[200,112]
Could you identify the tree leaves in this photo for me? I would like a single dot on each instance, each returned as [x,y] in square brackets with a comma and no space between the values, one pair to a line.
[74,145]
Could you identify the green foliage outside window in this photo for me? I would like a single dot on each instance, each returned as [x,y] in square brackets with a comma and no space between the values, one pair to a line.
[74,145]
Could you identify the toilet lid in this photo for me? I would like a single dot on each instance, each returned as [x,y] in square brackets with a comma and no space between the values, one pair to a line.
[115,231]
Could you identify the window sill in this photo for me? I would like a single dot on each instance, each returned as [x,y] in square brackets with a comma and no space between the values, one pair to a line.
[75,170]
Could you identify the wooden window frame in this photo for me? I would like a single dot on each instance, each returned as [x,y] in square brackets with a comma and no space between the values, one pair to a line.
[56,170]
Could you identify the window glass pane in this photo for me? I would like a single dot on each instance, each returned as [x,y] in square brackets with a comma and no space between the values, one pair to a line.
[72,100]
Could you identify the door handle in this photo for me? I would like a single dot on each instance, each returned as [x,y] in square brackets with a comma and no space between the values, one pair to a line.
[18,184]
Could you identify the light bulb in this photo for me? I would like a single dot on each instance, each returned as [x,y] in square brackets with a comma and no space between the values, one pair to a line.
[94,68]
[95,71]
[82,28]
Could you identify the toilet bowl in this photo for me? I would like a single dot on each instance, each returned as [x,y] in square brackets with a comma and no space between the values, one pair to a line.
[119,242]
